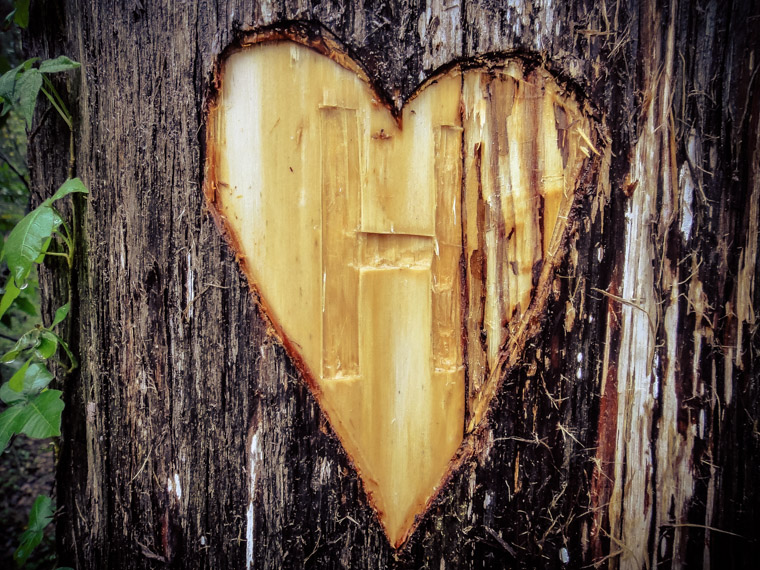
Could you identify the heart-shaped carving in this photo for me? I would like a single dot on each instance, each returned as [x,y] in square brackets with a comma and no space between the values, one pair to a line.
[393,255]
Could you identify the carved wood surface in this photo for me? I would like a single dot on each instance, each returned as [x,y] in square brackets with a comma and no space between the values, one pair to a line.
[394,256]
[626,432]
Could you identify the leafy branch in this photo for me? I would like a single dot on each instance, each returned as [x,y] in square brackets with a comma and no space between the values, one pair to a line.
[33,409]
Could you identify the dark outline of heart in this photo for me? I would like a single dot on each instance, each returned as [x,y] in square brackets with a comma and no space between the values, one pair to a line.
[321,40]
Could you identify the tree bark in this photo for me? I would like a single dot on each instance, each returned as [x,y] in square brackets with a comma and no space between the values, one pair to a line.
[627,434]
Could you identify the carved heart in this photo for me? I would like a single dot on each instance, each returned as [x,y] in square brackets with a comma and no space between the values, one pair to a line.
[394,256]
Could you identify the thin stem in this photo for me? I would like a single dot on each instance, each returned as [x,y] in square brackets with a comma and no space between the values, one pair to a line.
[58,254]
[72,158]
[61,111]
[66,240]
[55,94]
[68,232]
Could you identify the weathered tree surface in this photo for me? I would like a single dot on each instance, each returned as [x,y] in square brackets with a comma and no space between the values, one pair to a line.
[624,433]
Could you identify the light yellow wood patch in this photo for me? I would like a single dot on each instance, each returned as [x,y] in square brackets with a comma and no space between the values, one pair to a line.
[395,258]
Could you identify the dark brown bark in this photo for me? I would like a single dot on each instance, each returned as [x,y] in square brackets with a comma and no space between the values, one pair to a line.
[629,432]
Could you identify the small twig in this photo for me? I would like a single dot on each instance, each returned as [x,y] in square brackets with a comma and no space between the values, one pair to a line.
[630,304]
[705,527]
[316,545]
[534,441]
[147,456]
[148,553]
[566,432]
[81,516]
[501,541]
[598,563]
[340,520]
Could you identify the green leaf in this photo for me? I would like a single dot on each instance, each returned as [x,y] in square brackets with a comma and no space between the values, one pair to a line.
[61,314]
[36,379]
[69,187]
[21,13]
[11,292]
[28,339]
[17,380]
[26,306]
[44,419]
[38,418]
[41,257]
[60,63]
[27,88]
[40,516]
[8,83]
[65,347]
[47,345]
[9,395]
[11,422]
[27,240]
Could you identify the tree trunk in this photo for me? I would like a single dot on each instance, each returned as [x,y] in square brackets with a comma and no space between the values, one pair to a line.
[625,434]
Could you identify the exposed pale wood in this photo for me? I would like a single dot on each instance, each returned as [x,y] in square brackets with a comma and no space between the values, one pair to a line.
[393,236]
[523,154]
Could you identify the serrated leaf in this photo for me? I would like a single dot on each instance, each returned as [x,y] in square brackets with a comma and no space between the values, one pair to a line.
[36,379]
[17,380]
[61,314]
[25,93]
[71,186]
[21,13]
[11,422]
[44,418]
[60,63]
[39,517]
[27,240]
[47,345]
[11,292]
